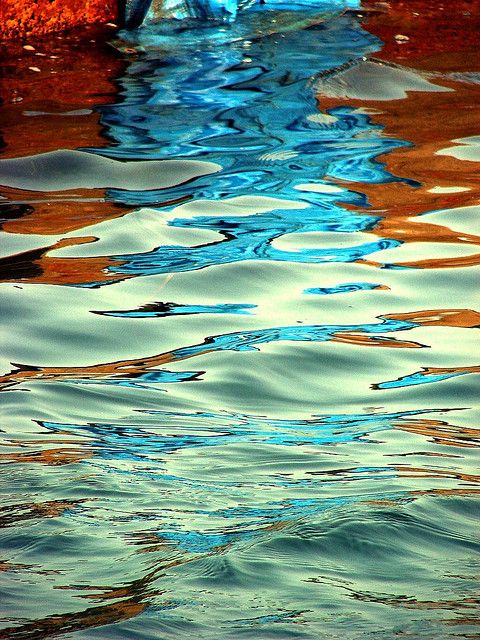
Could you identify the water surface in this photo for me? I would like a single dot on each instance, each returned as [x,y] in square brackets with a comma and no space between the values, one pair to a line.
[240,364]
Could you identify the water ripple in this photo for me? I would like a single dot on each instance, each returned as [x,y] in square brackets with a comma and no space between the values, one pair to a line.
[266,424]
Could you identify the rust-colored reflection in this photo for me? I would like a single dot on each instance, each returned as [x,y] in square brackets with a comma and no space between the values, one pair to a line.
[446,492]
[466,609]
[52,457]
[432,263]
[461,318]
[56,216]
[123,369]
[11,566]
[32,451]
[440,37]
[51,109]
[437,30]
[413,603]
[440,317]
[55,107]
[374,341]
[442,432]
[90,618]
[35,266]
[425,472]
[133,368]
[16,513]
[29,212]
[118,603]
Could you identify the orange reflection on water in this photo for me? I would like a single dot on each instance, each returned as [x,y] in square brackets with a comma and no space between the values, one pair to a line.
[51,457]
[443,41]
[121,369]
[132,368]
[54,217]
[465,606]
[425,472]
[440,317]
[65,211]
[374,341]
[36,266]
[61,212]
[90,618]
[431,263]
[442,432]
[55,107]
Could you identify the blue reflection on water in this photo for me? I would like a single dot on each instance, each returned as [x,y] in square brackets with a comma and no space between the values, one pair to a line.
[124,441]
[169,433]
[346,287]
[242,341]
[163,309]
[253,111]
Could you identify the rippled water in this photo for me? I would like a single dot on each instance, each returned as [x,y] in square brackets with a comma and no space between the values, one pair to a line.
[243,398]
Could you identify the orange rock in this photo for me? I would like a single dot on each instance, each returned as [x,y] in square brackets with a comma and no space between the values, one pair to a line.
[20,19]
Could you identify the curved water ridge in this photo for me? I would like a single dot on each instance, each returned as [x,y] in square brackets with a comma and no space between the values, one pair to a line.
[266,425]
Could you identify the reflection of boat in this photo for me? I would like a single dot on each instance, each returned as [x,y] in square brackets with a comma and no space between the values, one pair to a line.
[19,19]
[135,12]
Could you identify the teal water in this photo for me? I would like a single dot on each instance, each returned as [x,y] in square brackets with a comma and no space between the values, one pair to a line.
[244,403]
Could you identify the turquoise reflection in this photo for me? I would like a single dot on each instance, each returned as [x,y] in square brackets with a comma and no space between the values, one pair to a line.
[164,309]
[148,448]
[346,287]
[209,429]
[253,111]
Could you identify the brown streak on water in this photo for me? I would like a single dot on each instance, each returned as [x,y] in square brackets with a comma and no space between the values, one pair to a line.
[374,341]
[12,514]
[440,317]
[51,457]
[442,432]
[70,622]
[433,29]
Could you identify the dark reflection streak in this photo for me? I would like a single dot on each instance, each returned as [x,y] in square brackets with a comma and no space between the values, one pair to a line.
[442,432]
[458,606]
[139,593]
[90,618]
[23,265]
[165,309]
[14,514]
[13,211]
